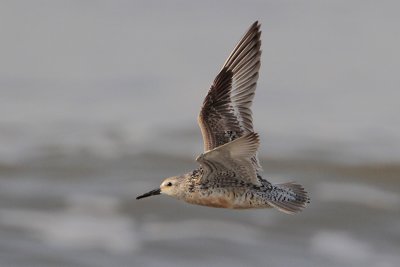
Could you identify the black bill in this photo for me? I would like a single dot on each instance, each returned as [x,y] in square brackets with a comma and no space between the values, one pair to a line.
[151,193]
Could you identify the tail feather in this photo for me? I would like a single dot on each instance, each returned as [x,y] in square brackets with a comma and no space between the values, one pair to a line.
[289,197]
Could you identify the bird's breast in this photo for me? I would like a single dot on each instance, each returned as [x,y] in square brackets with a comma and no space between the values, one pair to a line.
[211,201]
[230,199]
[211,198]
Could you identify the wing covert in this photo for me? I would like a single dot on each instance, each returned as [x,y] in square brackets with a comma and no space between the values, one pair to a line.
[226,113]
[235,156]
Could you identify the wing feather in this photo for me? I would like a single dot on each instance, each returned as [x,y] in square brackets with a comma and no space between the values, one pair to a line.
[226,114]
[235,156]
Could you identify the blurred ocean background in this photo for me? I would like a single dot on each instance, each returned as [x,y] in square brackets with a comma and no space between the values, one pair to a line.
[99,100]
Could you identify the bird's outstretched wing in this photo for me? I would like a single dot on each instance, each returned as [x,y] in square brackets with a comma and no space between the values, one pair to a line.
[226,113]
[234,157]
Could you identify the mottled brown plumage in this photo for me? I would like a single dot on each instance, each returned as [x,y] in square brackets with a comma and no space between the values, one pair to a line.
[229,173]
[226,113]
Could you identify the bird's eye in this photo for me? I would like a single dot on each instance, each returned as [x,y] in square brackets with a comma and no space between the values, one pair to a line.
[169,184]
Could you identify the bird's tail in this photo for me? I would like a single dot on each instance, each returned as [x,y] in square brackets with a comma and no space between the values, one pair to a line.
[289,197]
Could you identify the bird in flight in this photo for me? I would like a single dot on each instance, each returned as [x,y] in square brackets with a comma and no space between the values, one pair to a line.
[229,172]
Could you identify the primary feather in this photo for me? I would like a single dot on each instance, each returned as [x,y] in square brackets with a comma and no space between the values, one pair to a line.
[226,113]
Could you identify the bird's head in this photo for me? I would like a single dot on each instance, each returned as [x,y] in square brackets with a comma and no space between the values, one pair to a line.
[171,186]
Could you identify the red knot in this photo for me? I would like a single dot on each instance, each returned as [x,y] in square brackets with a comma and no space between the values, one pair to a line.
[229,173]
